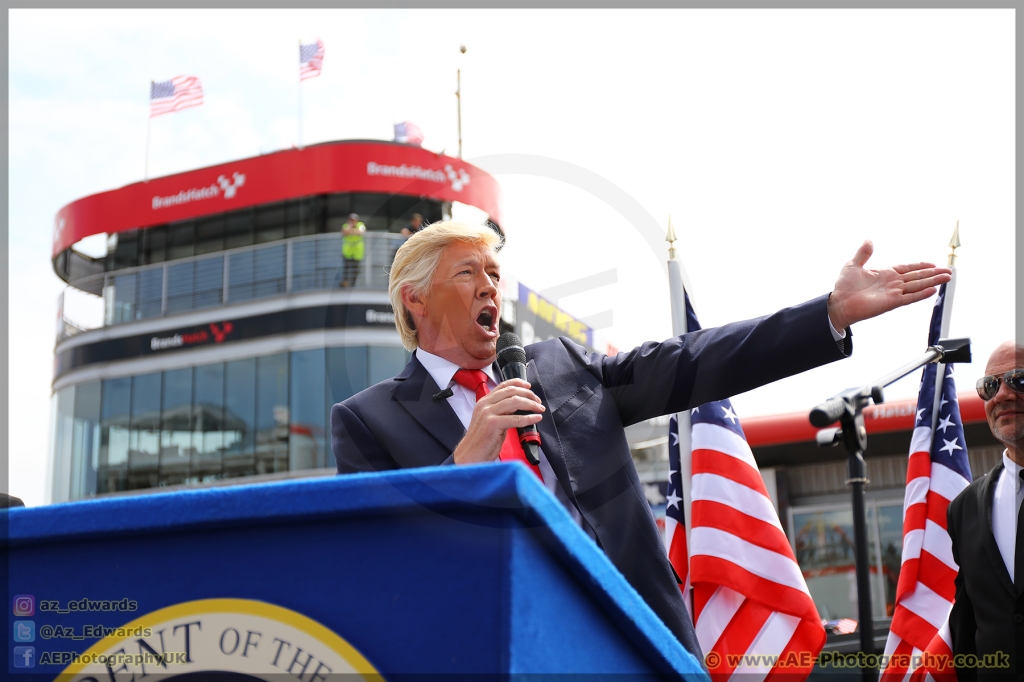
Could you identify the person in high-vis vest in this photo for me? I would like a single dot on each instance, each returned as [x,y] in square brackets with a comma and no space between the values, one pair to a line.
[353,249]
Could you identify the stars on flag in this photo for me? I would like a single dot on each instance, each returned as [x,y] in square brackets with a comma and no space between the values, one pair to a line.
[409,133]
[728,413]
[180,92]
[311,59]
[920,412]
[945,423]
[950,446]
[672,499]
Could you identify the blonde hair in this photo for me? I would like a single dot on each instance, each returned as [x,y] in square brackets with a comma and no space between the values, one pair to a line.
[416,262]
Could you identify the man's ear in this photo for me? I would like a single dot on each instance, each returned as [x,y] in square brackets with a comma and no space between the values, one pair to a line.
[414,302]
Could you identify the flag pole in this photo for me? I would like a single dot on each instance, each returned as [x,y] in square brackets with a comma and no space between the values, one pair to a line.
[149,124]
[677,286]
[299,142]
[947,312]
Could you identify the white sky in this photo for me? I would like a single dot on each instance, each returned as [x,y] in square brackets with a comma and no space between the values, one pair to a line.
[777,140]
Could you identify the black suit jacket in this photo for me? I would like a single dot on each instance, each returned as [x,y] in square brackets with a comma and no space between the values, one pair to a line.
[988,614]
[590,398]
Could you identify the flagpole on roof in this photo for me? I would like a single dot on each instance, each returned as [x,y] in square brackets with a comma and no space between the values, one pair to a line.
[677,290]
[299,139]
[149,124]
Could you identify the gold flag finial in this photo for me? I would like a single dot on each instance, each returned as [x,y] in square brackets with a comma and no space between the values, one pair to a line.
[954,242]
[670,237]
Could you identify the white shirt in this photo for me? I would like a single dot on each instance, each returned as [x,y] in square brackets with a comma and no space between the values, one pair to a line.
[1005,507]
[463,401]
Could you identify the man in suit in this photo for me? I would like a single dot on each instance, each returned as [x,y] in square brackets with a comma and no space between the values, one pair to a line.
[449,405]
[984,524]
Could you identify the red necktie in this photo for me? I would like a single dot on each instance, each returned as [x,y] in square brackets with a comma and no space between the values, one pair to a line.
[511,450]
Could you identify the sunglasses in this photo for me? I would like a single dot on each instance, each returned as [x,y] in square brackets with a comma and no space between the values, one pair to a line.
[989,386]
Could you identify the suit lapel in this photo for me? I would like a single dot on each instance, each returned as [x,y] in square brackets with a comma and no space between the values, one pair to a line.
[415,393]
[987,494]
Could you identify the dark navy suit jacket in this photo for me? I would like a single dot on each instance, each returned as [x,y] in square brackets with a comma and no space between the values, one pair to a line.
[986,615]
[590,398]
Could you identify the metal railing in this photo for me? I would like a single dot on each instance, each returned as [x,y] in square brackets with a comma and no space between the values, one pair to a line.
[244,274]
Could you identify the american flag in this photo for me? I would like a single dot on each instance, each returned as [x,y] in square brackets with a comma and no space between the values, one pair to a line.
[181,92]
[938,470]
[749,595]
[311,59]
[675,522]
[408,133]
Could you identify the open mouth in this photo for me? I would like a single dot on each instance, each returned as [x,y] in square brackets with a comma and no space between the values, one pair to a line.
[488,320]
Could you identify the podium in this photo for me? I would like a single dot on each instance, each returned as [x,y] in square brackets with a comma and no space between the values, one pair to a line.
[444,571]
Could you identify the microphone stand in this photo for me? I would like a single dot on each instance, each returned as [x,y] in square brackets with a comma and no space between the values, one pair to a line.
[848,409]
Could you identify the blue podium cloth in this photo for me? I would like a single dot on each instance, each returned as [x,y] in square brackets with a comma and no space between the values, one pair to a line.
[436,570]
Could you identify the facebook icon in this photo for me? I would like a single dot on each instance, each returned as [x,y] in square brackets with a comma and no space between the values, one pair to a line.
[24,657]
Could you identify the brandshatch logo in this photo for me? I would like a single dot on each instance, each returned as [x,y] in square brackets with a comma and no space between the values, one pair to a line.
[376,317]
[228,187]
[457,178]
[218,331]
[231,186]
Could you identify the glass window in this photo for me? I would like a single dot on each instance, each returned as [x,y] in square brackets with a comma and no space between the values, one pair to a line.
[195,284]
[154,245]
[179,286]
[209,235]
[176,427]
[346,372]
[126,255]
[240,276]
[316,263]
[150,293]
[270,222]
[86,447]
[372,209]
[257,274]
[824,549]
[301,218]
[269,271]
[181,239]
[386,362]
[144,437]
[124,295]
[208,282]
[346,376]
[63,439]
[272,413]
[238,229]
[208,432]
[890,537]
[307,443]
[240,417]
[115,415]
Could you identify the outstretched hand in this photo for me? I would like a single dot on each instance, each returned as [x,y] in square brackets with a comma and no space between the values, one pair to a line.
[860,293]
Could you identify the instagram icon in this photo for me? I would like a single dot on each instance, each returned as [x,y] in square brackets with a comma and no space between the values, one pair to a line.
[24,605]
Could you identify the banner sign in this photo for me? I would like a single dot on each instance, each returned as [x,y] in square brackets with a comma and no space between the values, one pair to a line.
[341,316]
[537,319]
[361,166]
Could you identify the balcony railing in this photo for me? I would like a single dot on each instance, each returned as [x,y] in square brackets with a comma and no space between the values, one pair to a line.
[244,274]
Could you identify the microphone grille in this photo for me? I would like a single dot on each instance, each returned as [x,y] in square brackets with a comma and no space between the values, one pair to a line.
[510,349]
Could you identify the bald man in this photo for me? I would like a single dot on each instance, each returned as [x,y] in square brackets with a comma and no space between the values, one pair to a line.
[984,524]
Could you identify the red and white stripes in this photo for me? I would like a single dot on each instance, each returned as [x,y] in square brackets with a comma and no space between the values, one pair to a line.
[925,592]
[750,596]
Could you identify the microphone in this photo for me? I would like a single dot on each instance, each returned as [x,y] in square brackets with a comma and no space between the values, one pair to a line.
[512,363]
[443,395]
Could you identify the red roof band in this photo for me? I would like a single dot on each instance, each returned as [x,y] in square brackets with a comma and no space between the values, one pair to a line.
[359,166]
[898,415]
